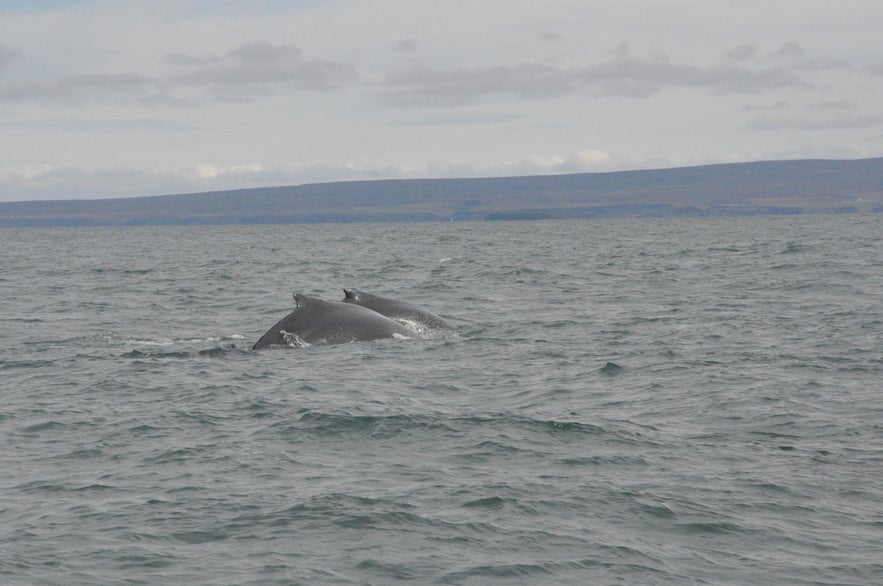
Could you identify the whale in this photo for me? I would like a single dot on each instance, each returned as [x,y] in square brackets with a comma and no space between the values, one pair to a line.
[315,321]
[405,313]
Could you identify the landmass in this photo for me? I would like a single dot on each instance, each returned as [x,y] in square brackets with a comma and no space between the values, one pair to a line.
[735,189]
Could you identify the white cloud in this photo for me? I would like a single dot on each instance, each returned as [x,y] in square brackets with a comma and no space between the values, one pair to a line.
[210,171]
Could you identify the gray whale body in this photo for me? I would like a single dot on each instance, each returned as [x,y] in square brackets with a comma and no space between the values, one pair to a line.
[403,312]
[315,321]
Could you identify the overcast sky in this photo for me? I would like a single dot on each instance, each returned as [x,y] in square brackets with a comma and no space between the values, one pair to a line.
[102,98]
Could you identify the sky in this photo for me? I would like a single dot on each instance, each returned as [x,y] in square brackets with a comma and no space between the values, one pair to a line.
[102,98]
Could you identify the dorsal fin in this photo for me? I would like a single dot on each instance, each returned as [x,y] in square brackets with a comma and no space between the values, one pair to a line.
[300,299]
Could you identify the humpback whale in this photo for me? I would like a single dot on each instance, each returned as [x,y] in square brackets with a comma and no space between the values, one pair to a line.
[315,321]
[403,312]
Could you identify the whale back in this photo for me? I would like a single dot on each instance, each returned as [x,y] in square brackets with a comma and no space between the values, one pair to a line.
[405,313]
[315,321]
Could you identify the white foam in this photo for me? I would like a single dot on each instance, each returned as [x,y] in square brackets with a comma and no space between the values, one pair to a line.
[156,342]
[293,340]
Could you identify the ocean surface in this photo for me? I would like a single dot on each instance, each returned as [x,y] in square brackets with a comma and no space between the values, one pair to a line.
[620,402]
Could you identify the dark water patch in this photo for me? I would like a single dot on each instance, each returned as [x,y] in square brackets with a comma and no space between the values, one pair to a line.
[558,428]
[42,486]
[709,527]
[51,428]
[493,502]
[143,428]
[185,488]
[380,520]
[442,388]
[392,571]
[307,387]
[82,454]
[774,435]
[795,247]
[199,537]
[766,488]
[156,355]
[218,352]
[611,368]
[352,512]
[495,572]
[205,417]
[557,324]
[488,448]
[731,249]
[604,460]
[93,488]
[565,430]
[176,456]
[367,425]
[26,364]
[122,271]
[658,511]
[260,408]
[148,561]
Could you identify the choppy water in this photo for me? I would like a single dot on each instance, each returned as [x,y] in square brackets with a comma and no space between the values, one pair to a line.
[632,402]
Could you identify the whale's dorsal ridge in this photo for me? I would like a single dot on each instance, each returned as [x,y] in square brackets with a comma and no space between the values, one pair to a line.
[300,299]
[315,321]
[403,312]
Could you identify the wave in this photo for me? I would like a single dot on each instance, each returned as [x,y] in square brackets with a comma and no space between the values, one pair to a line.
[500,431]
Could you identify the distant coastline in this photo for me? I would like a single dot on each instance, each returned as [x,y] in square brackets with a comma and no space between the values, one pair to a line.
[736,189]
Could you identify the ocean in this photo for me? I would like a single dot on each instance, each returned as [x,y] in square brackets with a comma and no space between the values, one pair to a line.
[659,401]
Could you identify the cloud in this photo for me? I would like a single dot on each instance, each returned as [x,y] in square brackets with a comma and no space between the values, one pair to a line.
[621,76]
[813,121]
[406,46]
[630,76]
[790,54]
[823,115]
[47,181]
[73,86]
[551,37]
[743,52]
[7,56]
[255,68]
[246,72]
[428,86]
[210,171]
[586,160]
[800,58]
